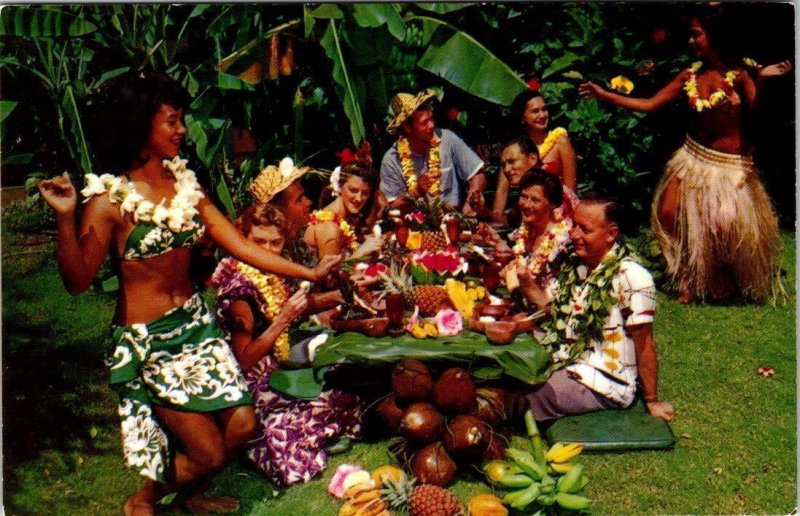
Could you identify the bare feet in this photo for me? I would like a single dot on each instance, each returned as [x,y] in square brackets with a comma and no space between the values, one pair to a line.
[202,504]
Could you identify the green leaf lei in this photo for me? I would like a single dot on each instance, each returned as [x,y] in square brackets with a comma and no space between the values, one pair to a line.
[588,322]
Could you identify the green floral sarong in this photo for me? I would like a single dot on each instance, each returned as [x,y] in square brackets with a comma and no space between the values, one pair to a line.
[180,361]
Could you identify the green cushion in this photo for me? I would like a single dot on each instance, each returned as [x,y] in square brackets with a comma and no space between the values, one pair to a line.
[613,430]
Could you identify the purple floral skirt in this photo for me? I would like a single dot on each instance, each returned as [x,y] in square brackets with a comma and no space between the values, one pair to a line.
[292,433]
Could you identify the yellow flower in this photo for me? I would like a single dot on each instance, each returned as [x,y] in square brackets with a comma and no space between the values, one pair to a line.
[613,366]
[622,84]
[323,215]
[414,240]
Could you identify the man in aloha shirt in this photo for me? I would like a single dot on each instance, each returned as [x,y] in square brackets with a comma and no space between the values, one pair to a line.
[412,121]
[605,375]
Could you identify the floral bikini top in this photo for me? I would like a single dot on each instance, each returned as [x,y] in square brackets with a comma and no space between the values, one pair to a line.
[159,228]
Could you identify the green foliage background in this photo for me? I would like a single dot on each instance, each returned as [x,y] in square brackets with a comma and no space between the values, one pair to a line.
[351,58]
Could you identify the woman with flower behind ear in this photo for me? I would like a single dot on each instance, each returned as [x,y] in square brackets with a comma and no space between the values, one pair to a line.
[184,406]
[714,221]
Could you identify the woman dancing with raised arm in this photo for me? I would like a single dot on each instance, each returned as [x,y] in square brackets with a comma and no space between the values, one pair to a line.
[715,223]
[184,406]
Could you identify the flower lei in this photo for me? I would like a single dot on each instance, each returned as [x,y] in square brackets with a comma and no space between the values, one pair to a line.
[717,97]
[348,234]
[550,140]
[556,237]
[582,306]
[404,152]
[275,291]
[178,216]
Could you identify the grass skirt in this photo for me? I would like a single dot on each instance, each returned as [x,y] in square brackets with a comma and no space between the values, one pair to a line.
[725,222]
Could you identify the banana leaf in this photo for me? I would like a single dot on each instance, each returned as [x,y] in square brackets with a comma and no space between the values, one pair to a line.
[376,15]
[465,63]
[523,359]
[37,22]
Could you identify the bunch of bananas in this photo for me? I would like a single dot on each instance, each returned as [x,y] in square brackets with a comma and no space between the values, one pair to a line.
[540,479]
[414,36]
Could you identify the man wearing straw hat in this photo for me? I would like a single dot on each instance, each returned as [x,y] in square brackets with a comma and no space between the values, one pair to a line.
[427,161]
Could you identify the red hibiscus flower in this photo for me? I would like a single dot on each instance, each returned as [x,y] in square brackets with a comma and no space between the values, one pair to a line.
[373,269]
[659,35]
[453,113]
[346,156]
[534,85]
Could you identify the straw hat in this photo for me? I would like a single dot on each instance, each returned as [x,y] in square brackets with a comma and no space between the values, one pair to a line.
[273,180]
[403,106]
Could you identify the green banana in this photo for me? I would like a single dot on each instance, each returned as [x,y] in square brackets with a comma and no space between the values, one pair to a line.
[522,498]
[535,436]
[572,502]
[526,461]
[546,499]
[548,484]
[518,480]
[571,482]
[561,467]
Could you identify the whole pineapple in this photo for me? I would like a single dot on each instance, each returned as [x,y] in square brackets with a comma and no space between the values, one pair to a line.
[422,500]
[433,240]
[431,298]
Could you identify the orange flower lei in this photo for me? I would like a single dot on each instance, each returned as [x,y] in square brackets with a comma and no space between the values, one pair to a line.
[434,161]
[275,291]
[717,97]
[348,235]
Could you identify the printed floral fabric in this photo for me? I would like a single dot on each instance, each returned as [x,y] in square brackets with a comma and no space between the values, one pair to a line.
[148,240]
[609,366]
[292,433]
[181,361]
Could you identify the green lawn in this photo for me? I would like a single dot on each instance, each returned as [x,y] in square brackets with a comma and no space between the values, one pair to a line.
[736,450]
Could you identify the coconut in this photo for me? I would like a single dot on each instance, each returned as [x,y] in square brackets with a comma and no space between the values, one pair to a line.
[432,465]
[492,405]
[421,423]
[389,413]
[496,448]
[411,381]
[466,437]
[454,392]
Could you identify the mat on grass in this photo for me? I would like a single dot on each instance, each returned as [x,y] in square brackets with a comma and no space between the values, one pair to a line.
[613,430]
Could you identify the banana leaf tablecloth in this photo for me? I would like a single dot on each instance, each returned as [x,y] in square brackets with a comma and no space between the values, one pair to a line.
[524,359]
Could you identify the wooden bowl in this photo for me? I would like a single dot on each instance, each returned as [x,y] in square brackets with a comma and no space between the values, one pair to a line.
[374,327]
[525,324]
[496,311]
[501,332]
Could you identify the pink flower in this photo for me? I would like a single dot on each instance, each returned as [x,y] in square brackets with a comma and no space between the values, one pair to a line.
[414,319]
[766,372]
[417,216]
[534,85]
[337,486]
[373,269]
[449,322]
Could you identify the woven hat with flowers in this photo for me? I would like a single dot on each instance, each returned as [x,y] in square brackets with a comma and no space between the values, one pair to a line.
[273,180]
[403,106]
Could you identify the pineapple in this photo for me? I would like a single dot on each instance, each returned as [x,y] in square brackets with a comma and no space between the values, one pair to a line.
[422,500]
[433,240]
[431,298]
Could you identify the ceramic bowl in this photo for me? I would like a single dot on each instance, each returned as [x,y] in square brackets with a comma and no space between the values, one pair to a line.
[496,311]
[374,327]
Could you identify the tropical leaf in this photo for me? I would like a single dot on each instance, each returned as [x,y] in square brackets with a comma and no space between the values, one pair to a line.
[376,15]
[565,61]
[344,85]
[69,105]
[231,82]
[467,64]
[6,107]
[36,22]
[443,7]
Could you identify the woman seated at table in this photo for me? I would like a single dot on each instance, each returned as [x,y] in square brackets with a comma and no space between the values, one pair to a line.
[256,310]
[334,229]
[542,240]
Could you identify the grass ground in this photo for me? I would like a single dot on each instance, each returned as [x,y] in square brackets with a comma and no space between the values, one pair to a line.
[736,450]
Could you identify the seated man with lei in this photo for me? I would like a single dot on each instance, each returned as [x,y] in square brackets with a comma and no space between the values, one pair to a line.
[425,160]
[602,358]
[255,310]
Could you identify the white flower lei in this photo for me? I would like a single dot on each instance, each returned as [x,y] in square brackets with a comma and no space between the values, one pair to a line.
[335,176]
[178,216]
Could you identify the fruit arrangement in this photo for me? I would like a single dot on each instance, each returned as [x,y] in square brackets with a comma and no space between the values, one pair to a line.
[444,423]
[541,478]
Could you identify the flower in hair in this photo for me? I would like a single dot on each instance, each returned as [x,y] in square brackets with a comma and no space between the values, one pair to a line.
[335,175]
[534,85]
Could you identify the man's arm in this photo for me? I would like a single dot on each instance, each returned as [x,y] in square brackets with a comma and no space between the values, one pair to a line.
[647,363]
